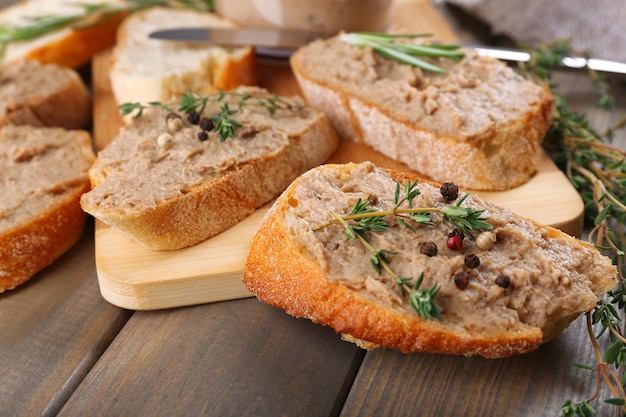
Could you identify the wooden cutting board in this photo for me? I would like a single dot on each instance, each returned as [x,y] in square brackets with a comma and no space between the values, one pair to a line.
[133,277]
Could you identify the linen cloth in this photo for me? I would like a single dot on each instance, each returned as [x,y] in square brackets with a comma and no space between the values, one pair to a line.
[596,27]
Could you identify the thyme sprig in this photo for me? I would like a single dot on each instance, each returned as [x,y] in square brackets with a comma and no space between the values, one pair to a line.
[196,102]
[598,172]
[421,300]
[362,219]
[87,15]
[396,47]
[225,125]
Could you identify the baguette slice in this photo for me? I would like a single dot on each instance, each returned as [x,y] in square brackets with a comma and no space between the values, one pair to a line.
[164,187]
[319,275]
[44,172]
[38,94]
[144,69]
[480,124]
[65,47]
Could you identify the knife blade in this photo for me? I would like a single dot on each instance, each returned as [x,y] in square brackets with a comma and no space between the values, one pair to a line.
[578,63]
[278,43]
[286,40]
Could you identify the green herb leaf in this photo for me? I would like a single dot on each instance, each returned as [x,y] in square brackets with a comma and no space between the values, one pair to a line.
[225,125]
[399,48]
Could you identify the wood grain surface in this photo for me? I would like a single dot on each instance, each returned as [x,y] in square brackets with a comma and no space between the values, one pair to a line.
[134,277]
[216,365]
[52,330]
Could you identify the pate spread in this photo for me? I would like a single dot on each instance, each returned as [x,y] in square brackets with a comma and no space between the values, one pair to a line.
[548,279]
[38,166]
[138,171]
[472,98]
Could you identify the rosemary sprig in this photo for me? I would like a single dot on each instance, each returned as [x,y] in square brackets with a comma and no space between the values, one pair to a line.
[598,172]
[396,47]
[88,15]
[225,125]
[361,219]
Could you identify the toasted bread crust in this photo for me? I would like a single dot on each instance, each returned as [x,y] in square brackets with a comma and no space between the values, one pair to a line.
[67,47]
[280,273]
[75,48]
[32,246]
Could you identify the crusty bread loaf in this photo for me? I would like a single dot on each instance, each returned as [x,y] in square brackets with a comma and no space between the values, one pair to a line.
[480,124]
[505,292]
[66,47]
[38,94]
[43,172]
[144,69]
[166,187]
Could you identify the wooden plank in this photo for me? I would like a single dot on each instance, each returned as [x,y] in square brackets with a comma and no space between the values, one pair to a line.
[390,383]
[52,331]
[238,358]
[138,278]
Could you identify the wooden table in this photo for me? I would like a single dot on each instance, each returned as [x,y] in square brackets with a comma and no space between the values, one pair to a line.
[65,351]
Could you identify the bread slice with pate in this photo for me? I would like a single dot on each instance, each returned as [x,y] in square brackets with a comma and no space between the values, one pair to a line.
[38,94]
[143,69]
[169,181]
[419,267]
[44,172]
[478,124]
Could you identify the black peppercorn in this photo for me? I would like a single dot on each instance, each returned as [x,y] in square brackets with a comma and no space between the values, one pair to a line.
[461,280]
[206,124]
[193,117]
[202,135]
[471,260]
[449,191]
[503,281]
[428,248]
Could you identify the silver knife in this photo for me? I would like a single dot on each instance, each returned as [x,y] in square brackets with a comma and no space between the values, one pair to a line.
[515,55]
[277,43]
[267,42]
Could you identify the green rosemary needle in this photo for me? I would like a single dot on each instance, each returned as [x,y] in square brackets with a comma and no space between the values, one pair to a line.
[394,46]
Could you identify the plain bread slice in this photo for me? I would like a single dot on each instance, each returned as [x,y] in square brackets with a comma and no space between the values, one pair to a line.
[66,47]
[144,69]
